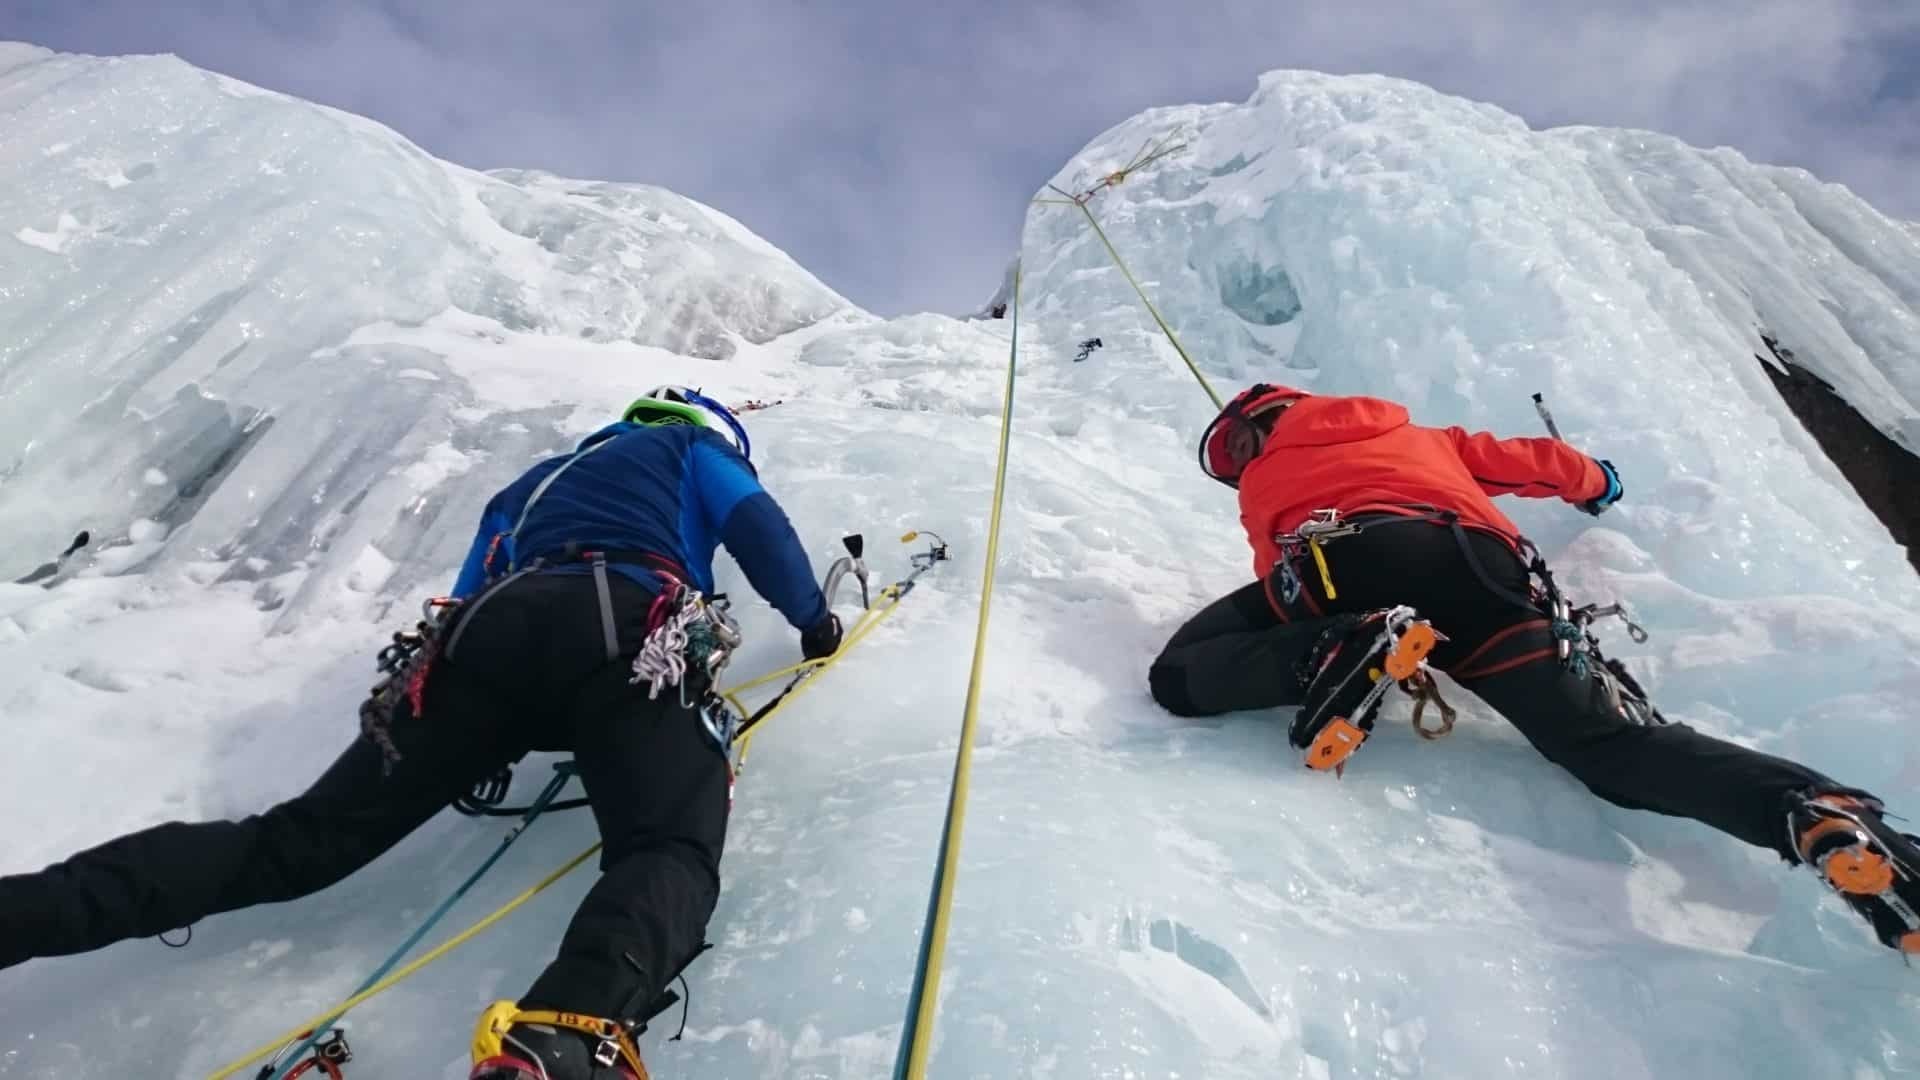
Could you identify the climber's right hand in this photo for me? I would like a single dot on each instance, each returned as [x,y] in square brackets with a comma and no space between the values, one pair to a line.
[822,639]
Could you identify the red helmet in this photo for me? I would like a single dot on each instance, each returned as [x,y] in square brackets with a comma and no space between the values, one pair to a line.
[1240,432]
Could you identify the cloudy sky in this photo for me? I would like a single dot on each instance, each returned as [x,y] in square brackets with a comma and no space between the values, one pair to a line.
[890,145]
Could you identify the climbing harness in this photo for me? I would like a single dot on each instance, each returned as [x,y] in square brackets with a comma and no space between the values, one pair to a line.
[1086,349]
[405,663]
[507,538]
[486,797]
[1576,646]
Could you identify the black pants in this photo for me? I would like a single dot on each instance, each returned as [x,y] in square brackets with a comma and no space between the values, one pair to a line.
[529,672]
[1241,652]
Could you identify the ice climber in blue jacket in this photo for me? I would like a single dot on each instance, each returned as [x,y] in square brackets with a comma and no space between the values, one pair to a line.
[585,573]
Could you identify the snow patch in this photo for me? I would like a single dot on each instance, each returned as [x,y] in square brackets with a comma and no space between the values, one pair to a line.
[56,241]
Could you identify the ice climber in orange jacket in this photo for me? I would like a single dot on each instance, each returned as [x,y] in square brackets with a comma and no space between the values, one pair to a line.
[1376,540]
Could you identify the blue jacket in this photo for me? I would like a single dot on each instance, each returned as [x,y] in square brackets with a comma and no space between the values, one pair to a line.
[673,492]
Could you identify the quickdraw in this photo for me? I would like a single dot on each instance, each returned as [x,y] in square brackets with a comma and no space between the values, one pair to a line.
[403,665]
[890,596]
[1322,528]
[687,632]
[326,1055]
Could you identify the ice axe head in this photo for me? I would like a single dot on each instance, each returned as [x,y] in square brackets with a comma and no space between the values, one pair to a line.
[856,544]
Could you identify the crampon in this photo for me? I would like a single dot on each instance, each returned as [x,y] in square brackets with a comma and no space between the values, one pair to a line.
[1842,837]
[510,1043]
[1348,672]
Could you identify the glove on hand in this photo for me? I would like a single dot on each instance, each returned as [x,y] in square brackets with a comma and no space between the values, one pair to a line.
[822,639]
[1599,503]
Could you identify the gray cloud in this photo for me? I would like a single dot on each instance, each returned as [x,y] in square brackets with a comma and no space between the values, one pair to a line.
[891,147]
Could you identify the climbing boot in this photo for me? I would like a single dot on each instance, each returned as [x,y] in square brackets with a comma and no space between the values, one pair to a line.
[1842,837]
[1346,674]
[510,1043]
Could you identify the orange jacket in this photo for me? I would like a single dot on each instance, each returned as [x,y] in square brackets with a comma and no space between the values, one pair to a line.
[1359,454]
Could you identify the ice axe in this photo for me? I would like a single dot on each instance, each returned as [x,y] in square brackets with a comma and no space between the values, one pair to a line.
[850,563]
[1540,406]
[1584,617]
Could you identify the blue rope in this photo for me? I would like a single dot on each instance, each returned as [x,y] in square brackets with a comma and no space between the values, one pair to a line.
[562,772]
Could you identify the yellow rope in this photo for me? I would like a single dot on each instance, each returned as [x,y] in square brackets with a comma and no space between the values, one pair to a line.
[892,594]
[387,983]
[1140,160]
[923,1004]
[1218,402]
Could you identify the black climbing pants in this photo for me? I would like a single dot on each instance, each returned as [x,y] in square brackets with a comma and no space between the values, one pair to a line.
[1242,652]
[528,670]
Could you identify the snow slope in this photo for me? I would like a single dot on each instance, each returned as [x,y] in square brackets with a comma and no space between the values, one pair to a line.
[185,261]
[1139,896]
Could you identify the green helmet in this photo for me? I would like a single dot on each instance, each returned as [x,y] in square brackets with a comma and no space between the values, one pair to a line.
[668,405]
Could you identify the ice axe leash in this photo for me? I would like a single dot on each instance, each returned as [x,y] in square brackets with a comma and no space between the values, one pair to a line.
[799,675]
[487,796]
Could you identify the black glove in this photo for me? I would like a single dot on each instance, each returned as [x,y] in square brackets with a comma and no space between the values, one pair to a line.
[822,639]
[1608,497]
